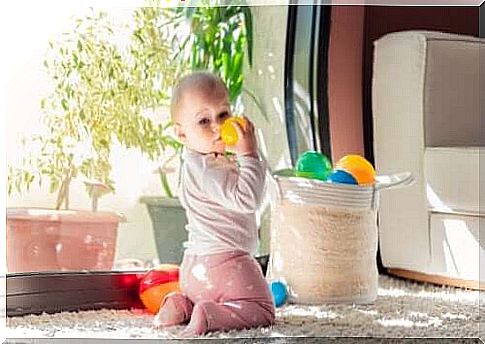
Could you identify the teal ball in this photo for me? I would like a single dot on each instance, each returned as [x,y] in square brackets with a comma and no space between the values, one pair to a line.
[279,293]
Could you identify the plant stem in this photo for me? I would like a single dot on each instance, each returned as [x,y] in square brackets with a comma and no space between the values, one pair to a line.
[94,203]
[63,195]
[60,196]
[66,197]
[166,187]
[257,102]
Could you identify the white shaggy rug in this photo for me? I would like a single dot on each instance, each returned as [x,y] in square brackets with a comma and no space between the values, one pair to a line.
[402,309]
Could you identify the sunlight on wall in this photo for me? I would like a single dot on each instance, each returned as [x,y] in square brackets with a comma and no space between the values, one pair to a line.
[265,81]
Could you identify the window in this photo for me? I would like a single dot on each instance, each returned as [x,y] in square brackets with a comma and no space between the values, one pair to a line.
[306,79]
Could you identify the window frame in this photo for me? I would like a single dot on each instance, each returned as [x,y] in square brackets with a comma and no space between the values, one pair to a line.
[317,69]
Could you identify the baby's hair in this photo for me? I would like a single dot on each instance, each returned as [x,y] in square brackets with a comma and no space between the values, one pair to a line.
[201,80]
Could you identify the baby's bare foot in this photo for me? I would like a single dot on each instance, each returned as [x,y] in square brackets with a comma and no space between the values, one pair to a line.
[190,331]
[169,314]
[198,323]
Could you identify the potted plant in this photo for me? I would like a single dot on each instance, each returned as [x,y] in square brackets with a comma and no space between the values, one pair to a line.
[217,40]
[100,93]
[166,213]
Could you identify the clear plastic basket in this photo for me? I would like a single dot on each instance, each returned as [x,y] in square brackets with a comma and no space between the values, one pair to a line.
[324,238]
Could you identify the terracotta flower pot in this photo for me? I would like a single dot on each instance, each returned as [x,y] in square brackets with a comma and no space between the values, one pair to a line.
[60,240]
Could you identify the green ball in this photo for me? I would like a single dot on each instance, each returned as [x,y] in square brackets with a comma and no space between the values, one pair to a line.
[313,165]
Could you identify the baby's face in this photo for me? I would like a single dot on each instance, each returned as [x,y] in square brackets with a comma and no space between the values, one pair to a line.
[199,118]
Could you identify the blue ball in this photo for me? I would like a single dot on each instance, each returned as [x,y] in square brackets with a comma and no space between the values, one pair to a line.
[278,290]
[343,177]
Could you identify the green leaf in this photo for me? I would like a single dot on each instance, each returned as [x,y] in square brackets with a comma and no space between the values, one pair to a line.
[248,24]
[65,104]
[54,185]
[236,70]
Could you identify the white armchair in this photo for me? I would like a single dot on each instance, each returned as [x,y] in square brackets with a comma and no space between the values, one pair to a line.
[428,119]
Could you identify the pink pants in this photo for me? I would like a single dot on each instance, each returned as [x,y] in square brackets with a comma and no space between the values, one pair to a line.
[220,292]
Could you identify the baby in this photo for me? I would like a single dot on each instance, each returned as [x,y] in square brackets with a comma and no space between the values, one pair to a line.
[222,285]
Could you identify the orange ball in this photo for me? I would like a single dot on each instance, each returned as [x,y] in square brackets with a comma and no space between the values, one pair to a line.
[157,283]
[228,132]
[358,167]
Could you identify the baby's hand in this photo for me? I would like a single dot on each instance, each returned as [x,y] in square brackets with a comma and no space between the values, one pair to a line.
[247,144]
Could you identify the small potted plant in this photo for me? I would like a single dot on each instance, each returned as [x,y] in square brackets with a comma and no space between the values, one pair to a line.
[166,213]
[100,93]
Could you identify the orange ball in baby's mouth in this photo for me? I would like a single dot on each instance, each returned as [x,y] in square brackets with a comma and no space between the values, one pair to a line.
[228,132]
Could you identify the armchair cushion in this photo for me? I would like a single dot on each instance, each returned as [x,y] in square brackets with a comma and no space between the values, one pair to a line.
[452,179]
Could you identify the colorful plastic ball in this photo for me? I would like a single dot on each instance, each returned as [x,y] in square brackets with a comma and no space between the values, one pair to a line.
[313,165]
[358,167]
[279,293]
[157,283]
[228,132]
[342,177]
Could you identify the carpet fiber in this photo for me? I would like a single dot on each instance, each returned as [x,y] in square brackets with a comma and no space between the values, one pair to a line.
[402,309]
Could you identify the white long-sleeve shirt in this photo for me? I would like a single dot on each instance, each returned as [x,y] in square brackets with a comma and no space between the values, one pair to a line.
[220,200]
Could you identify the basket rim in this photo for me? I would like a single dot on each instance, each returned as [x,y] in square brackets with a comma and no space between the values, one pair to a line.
[319,183]
[307,191]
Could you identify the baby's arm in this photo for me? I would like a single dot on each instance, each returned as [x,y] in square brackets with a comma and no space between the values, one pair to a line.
[240,190]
